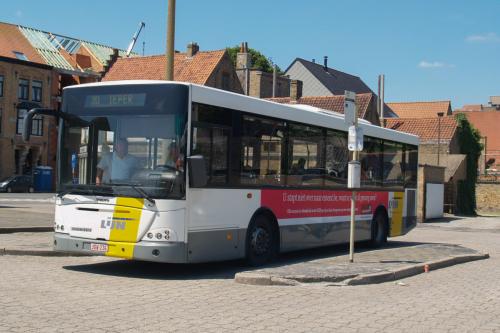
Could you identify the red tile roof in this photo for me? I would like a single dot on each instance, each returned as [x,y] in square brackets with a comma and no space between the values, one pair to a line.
[420,109]
[332,103]
[196,69]
[11,39]
[487,122]
[426,128]
[471,107]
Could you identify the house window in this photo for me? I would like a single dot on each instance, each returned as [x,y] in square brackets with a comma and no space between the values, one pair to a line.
[1,85]
[20,55]
[23,89]
[36,91]
[0,120]
[37,123]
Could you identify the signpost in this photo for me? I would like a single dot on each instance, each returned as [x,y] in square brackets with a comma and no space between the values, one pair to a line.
[354,144]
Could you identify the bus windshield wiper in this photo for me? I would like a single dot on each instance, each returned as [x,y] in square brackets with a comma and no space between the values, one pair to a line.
[84,189]
[138,190]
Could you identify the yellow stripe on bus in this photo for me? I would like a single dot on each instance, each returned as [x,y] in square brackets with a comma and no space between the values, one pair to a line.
[397,214]
[125,226]
[120,250]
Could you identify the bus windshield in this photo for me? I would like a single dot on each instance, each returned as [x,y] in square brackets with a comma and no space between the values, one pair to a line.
[121,143]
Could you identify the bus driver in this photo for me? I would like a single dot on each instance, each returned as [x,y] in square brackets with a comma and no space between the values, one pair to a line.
[119,165]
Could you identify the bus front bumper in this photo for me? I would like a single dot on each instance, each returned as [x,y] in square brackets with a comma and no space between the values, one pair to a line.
[171,252]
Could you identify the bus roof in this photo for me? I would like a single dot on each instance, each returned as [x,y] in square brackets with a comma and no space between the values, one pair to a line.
[307,114]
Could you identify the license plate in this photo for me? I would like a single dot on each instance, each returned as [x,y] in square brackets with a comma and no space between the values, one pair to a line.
[98,247]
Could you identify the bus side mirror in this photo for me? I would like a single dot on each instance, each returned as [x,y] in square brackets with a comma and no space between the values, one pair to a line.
[197,171]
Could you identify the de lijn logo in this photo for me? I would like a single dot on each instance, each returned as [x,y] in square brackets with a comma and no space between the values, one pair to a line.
[118,223]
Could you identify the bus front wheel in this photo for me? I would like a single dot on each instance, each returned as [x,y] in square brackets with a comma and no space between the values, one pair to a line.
[379,230]
[262,241]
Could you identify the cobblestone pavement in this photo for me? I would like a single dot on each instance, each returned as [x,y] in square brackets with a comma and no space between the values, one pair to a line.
[34,241]
[96,294]
[22,212]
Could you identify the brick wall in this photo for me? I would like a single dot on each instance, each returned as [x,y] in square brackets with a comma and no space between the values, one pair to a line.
[261,83]
[488,198]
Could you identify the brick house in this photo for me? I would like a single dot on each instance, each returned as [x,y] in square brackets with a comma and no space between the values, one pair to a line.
[439,146]
[34,67]
[421,109]
[321,80]
[366,103]
[257,83]
[209,68]
[487,123]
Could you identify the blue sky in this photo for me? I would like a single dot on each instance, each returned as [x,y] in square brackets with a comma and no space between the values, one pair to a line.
[428,50]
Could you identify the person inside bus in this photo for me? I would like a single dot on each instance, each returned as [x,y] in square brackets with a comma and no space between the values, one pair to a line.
[174,159]
[119,165]
[299,167]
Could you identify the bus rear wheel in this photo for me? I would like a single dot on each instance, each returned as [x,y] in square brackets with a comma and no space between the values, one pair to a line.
[262,241]
[379,230]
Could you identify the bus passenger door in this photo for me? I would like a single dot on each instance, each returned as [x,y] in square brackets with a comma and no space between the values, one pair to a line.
[396,203]
[212,234]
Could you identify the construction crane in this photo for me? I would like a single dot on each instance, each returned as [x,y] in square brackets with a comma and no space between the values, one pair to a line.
[134,39]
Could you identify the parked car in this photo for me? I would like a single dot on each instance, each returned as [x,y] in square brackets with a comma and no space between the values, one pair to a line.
[17,184]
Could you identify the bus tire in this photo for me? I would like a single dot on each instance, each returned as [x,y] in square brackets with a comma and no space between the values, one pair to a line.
[262,241]
[379,229]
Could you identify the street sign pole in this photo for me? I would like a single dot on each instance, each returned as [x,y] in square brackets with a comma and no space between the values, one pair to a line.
[353,216]
[355,144]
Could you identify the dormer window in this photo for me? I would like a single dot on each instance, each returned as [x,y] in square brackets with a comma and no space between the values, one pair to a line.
[20,55]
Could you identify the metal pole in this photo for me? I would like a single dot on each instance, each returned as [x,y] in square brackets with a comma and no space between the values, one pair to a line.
[439,136]
[170,40]
[378,103]
[274,80]
[382,87]
[353,202]
[440,115]
[353,218]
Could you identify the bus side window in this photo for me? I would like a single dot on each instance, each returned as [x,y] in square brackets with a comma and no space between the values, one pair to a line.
[261,148]
[337,157]
[371,162]
[393,164]
[306,162]
[212,144]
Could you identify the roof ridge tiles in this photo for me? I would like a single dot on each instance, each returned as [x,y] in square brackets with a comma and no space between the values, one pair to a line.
[329,68]
[412,102]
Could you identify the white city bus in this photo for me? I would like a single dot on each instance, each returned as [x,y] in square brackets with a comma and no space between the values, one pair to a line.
[211,175]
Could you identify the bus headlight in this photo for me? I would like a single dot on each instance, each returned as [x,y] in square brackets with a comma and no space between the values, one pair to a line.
[160,234]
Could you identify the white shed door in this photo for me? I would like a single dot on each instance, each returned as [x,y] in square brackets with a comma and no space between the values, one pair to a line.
[434,201]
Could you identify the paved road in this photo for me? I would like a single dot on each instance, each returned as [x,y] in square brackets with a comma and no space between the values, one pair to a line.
[8,197]
[104,295]
[20,210]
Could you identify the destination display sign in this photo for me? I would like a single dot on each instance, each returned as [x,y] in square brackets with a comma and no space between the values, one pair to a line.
[115,100]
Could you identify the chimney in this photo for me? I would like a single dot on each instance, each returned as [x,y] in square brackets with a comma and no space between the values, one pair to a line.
[243,58]
[192,49]
[314,61]
[325,63]
[295,90]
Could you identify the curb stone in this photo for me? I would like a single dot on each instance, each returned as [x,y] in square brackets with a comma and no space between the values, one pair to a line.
[263,279]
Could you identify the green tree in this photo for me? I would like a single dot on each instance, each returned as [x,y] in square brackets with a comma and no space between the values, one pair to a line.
[259,61]
[469,139]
